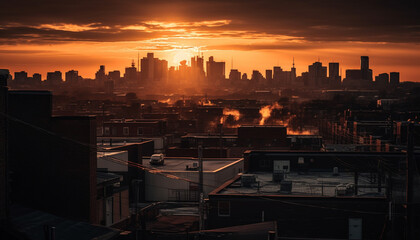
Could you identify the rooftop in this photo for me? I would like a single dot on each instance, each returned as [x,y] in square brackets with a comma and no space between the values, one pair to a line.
[172,164]
[308,184]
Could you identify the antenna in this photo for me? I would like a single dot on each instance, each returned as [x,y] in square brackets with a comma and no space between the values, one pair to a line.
[293,62]
[138,61]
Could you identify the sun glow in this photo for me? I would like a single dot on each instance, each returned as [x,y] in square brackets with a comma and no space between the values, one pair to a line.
[181,55]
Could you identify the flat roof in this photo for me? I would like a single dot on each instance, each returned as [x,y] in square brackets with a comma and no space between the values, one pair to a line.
[172,164]
[308,184]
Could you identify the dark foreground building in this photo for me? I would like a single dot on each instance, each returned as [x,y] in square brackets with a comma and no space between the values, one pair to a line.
[317,195]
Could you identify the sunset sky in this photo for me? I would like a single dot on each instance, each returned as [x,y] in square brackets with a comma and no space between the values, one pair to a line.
[41,36]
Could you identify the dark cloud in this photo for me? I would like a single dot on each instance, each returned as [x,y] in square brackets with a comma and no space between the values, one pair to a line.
[312,20]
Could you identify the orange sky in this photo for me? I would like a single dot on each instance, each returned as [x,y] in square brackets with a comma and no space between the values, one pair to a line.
[247,56]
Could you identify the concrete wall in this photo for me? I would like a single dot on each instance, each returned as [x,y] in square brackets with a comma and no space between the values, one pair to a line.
[160,188]
[104,161]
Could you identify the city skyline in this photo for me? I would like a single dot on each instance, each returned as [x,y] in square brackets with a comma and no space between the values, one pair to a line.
[256,35]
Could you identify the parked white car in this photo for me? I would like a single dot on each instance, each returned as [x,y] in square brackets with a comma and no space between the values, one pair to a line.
[157,159]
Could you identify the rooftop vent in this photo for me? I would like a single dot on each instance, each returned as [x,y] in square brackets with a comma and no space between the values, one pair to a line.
[247,180]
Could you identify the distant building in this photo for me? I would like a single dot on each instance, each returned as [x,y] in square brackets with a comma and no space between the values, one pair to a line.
[100,74]
[21,78]
[153,70]
[234,76]
[394,79]
[362,78]
[54,78]
[317,75]
[72,77]
[130,75]
[329,195]
[215,71]
[37,78]
[334,78]
[197,69]
[382,81]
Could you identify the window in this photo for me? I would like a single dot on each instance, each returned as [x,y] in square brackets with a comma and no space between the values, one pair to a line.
[126,131]
[139,131]
[107,131]
[224,208]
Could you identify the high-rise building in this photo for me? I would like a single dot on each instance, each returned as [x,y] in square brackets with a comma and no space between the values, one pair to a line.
[364,62]
[153,70]
[100,74]
[215,71]
[334,78]
[382,81]
[362,78]
[234,76]
[72,77]
[21,77]
[37,78]
[394,79]
[269,75]
[54,78]
[317,75]
[131,75]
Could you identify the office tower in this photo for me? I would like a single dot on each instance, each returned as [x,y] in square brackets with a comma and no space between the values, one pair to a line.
[131,75]
[334,75]
[153,70]
[317,75]
[394,79]
[54,78]
[215,71]
[114,75]
[234,76]
[382,81]
[269,75]
[100,74]
[20,77]
[359,78]
[244,77]
[72,77]
[364,62]
[37,78]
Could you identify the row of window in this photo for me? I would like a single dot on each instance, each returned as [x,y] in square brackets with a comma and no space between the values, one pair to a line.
[109,131]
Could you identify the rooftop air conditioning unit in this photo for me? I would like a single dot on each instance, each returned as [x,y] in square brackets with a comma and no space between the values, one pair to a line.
[286,186]
[247,180]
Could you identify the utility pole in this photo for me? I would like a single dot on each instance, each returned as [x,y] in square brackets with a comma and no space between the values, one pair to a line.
[409,179]
[135,186]
[201,187]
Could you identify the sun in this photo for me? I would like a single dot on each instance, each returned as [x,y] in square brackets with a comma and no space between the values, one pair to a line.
[180,55]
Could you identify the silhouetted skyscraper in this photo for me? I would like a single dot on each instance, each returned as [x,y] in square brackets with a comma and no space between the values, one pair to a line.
[334,74]
[269,75]
[394,79]
[54,78]
[382,81]
[72,76]
[215,71]
[234,76]
[364,62]
[21,77]
[317,74]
